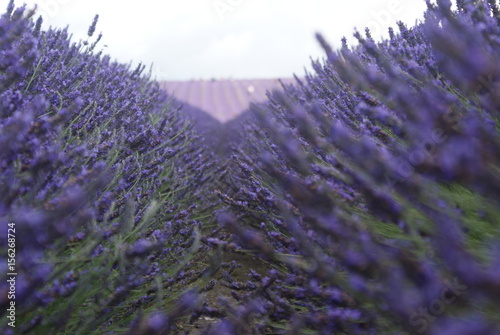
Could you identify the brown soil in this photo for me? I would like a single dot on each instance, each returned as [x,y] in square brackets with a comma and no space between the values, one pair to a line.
[212,296]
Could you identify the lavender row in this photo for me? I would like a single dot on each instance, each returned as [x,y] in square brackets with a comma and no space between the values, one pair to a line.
[372,187]
[104,179]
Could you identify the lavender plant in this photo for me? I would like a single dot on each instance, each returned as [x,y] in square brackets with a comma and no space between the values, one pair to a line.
[103,178]
[372,186]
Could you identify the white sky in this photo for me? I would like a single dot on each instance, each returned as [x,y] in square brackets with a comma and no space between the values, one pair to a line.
[194,39]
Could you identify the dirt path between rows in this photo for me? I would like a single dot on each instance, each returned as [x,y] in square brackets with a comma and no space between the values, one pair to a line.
[244,263]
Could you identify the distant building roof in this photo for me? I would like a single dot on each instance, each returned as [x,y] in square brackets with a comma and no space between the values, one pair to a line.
[223,99]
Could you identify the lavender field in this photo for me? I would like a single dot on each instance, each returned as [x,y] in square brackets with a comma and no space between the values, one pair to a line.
[361,198]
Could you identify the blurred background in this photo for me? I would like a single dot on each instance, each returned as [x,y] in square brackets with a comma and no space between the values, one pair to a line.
[219,55]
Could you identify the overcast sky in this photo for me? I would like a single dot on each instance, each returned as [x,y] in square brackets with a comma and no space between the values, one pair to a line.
[194,39]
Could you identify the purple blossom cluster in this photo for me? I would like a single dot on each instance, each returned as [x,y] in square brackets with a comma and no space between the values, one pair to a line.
[102,176]
[372,186]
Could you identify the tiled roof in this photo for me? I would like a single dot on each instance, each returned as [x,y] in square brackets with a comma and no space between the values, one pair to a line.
[224,99]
